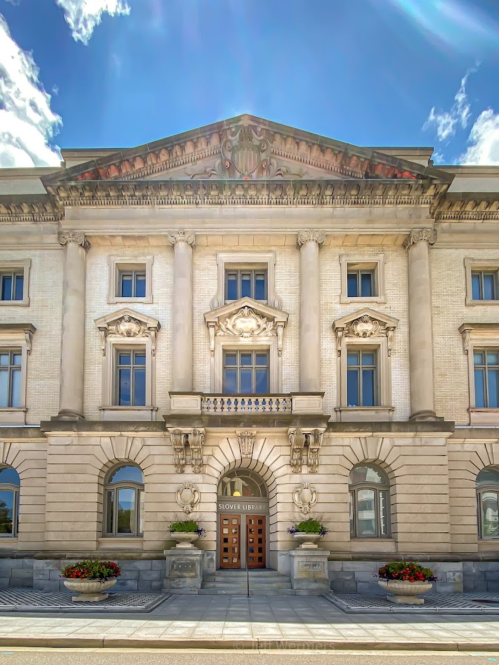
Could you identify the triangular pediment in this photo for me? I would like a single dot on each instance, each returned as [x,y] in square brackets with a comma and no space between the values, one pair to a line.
[247,148]
[127,322]
[246,318]
[366,321]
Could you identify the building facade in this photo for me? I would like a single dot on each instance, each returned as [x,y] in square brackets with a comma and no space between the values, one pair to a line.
[250,324]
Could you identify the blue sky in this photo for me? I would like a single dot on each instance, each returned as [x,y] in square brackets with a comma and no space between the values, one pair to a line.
[369,72]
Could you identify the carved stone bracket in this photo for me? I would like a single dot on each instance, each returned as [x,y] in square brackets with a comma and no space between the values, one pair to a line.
[305,498]
[73,236]
[421,235]
[311,235]
[246,442]
[127,323]
[305,448]
[182,236]
[188,448]
[187,497]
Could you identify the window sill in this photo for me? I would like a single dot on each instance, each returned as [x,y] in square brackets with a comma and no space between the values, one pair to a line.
[345,300]
[348,414]
[128,412]
[117,543]
[483,416]
[147,300]
[14,303]
[13,416]
[472,303]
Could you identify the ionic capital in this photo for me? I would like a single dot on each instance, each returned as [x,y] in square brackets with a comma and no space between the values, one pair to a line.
[73,236]
[182,236]
[421,235]
[311,235]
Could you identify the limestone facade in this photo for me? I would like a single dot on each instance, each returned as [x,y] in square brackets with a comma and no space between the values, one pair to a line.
[307,213]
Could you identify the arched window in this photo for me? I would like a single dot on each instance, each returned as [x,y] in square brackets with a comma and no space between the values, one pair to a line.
[369,502]
[487,488]
[124,502]
[9,501]
[244,483]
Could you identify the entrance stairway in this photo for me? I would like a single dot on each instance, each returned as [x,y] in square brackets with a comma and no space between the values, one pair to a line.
[264,582]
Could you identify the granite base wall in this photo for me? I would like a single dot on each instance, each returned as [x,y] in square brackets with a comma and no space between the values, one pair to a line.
[452,576]
[16,573]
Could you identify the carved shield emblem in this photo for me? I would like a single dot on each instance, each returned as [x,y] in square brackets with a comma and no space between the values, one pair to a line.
[245,151]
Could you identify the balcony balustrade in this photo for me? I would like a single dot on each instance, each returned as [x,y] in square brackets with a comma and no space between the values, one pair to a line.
[219,404]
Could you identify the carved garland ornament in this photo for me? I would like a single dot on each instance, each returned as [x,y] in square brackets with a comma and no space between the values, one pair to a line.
[187,497]
[246,323]
[365,326]
[305,498]
[128,326]
[188,449]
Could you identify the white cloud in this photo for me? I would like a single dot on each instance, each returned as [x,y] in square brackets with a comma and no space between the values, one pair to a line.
[438,157]
[83,16]
[484,137]
[447,121]
[27,123]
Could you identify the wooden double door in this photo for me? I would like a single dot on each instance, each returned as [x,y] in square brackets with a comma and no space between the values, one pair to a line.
[242,540]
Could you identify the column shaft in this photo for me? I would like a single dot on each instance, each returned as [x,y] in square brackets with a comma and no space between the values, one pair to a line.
[73,326]
[182,342]
[420,325]
[310,320]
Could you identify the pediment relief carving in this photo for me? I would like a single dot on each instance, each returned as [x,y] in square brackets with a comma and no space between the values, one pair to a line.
[363,324]
[127,323]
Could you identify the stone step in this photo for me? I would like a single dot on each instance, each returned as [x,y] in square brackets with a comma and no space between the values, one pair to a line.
[238,592]
[243,587]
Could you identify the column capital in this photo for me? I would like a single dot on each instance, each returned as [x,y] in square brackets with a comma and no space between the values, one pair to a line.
[182,236]
[311,235]
[421,235]
[73,236]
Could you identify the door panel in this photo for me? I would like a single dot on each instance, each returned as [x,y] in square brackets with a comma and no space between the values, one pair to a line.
[256,541]
[230,541]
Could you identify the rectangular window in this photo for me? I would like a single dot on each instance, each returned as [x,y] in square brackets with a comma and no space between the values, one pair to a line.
[245,283]
[484,284]
[486,366]
[246,372]
[10,378]
[360,284]
[12,285]
[361,378]
[132,284]
[131,378]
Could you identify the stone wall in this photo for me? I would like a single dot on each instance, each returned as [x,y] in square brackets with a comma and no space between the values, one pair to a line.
[16,572]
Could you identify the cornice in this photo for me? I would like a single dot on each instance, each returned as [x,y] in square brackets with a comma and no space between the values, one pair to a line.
[460,207]
[248,192]
[29,208]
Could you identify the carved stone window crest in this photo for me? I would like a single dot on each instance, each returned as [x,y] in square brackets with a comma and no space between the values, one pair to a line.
[187,497]
[362,325]
[305,498]
[247,323]
[127,323]
[188,448]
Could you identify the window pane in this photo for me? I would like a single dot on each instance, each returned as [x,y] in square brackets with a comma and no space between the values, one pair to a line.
[353,387]
[7,500]
[475,286]
[368,474]
[246,285]
[368,389]
[230,381]
[490,525]
[4,388]
[109,512]
[9,476]
[260,286]
[16,359]
[366,515]
[126,286]
[261,359]
[231,286]
[246,359]
[479,388]
[126,511]
[230,359]
[366,286]
[126,473]
[140,285]
[352,525]
[492,358]
[4,358]
[139,387]
[478,358]
[124,387]
[489,287]
[6,287]
[352,285]
[141,512]
[352,358]
[16,388]
[18,294]
[262,383]
[246,386]
[139,358]
[368,358]
[493,377]
[124,359]
[383,513]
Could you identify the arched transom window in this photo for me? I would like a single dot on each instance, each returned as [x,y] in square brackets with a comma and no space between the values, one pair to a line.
[369,502]
[9,501]
[124,502]
[243,483]
[487,487]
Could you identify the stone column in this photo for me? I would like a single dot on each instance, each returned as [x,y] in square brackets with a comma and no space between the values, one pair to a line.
[73,326]
[182,342]
[310,333]
[420,324]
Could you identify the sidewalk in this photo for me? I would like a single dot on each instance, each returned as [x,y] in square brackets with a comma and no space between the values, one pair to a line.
[260,622]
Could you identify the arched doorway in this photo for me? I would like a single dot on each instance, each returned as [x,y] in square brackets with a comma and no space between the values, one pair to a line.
[243,507]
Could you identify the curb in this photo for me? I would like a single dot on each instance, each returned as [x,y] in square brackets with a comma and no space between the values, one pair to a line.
[256,644]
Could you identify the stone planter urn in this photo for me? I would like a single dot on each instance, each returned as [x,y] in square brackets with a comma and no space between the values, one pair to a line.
[404,592]
[307,540]
[185,539]
[90,591]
